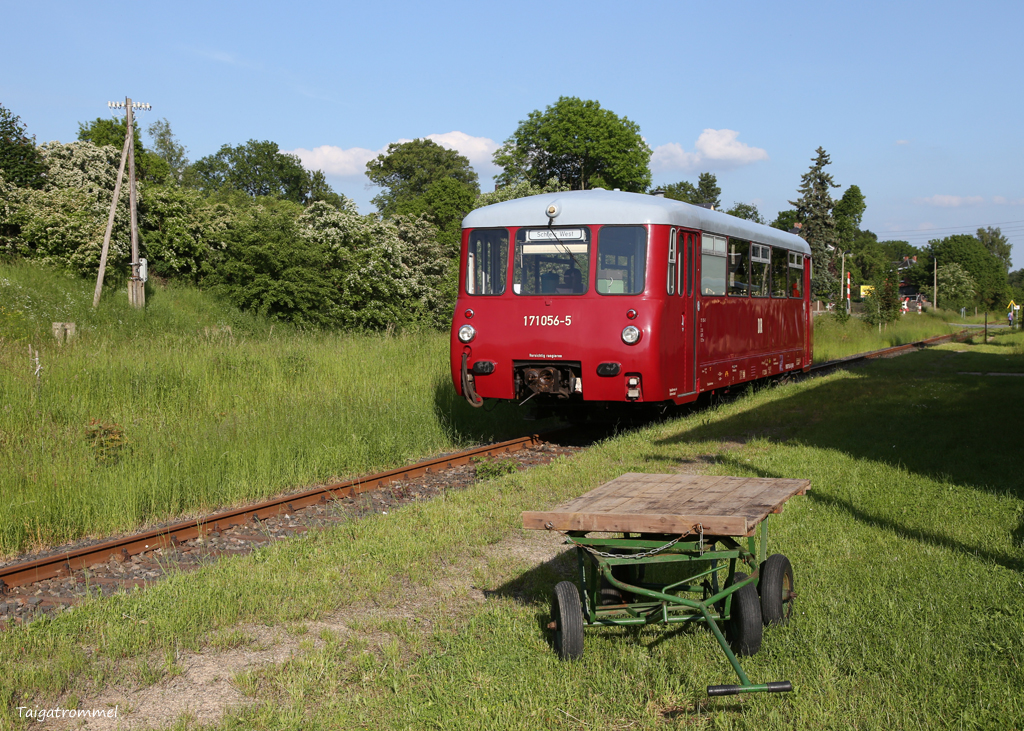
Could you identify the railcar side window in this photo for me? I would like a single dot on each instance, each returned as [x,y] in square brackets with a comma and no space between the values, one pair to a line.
[780,266]
[759,270]
[712,265]
[621,259]
[552,261]
[739,269]
[796,276]
[486,261]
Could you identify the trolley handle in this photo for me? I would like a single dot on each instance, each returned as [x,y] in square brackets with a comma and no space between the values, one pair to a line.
[781,686]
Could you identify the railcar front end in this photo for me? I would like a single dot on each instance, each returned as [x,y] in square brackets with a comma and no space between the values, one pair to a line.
[591,297]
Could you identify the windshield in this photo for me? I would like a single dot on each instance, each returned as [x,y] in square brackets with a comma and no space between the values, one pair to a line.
[622,252]
[552,261]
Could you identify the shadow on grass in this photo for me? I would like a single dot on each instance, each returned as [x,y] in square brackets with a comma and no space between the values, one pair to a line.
[887,524]
[914,412]
[493,421]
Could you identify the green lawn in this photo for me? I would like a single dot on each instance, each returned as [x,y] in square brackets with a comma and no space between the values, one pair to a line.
[907,553]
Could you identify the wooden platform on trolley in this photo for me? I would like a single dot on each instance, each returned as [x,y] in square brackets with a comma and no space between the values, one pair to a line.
[672,505]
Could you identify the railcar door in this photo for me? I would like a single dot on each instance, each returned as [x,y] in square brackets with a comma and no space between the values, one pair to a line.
[673,321]
[688,242]
[679,326]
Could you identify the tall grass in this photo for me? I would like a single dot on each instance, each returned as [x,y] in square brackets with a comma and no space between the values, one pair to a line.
[834,339]
[191,405]
[907,553]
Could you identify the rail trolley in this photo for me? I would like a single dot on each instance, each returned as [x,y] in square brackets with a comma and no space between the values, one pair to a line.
[603,298]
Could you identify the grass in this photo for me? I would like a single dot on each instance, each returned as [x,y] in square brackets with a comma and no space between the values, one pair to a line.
[833,339]
[191,405]
[907,553]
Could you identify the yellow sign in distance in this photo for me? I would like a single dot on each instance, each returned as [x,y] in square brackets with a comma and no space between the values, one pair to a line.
[866,289]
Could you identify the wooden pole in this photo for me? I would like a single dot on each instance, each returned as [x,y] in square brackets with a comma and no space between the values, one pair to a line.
[110,224]
[136,288]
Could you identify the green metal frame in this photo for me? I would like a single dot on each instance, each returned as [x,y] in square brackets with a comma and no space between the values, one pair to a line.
[668,603]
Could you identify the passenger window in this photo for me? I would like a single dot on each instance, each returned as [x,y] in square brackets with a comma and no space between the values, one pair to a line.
[780,266]
[760,264]
[671,283]
[796,276]
[621,259]
[552,261]
[712,265]
[486,261]
[738,268]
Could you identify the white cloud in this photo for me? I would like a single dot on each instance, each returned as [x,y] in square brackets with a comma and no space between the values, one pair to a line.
[477,149]
[902,142]
[1003,201]
[336,160]
[351,162]
[716,148]
[952,201]
[673,157]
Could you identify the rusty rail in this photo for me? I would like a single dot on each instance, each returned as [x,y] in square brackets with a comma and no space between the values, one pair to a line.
[29,572]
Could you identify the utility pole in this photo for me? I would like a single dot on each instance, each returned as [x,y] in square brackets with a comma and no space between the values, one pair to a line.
[136,286]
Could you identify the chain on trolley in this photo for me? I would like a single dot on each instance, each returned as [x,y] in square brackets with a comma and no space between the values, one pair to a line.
[644,554]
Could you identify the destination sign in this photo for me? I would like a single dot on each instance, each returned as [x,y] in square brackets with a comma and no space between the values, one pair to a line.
[554,234]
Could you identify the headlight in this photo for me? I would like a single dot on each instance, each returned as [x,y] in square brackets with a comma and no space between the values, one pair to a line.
[630,334]
[467,333]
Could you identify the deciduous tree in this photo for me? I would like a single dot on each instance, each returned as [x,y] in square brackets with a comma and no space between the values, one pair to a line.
[578,143]
[21,163]
[167,148]
[746,211]
[999,246]
[408,169]
[258,169]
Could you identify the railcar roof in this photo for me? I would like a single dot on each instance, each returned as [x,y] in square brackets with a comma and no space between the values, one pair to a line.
[602,207]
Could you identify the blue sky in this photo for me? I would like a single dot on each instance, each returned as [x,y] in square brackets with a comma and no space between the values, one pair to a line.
[917,103]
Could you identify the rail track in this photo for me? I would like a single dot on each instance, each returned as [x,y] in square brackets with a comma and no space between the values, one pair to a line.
[61,577]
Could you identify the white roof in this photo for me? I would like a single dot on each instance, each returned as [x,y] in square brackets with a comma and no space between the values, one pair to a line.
[603,207]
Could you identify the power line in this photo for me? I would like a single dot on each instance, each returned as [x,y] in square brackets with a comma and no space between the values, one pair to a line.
[951,228]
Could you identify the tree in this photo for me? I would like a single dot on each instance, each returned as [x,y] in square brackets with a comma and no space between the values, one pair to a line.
[267,267]
[883,304]
[167,148]
[579,144]
[785,221]
[848,213]
[746,211]
[684,191]
[149,166]
[63,223]
[408,169]
[956,287]
[984,268]
[814,211]
[706,193]
[258,169]
[21,163]
[521,189]
[999,246]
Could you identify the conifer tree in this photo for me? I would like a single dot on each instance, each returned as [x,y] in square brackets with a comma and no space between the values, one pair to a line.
[814,212]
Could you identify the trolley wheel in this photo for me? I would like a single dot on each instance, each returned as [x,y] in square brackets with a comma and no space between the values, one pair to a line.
[776,587]
[567,616]
[744,625]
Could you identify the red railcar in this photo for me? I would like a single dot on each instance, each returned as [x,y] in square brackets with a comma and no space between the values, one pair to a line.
[600,297]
